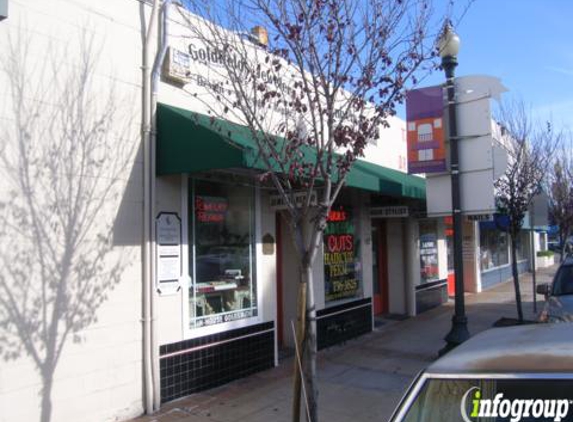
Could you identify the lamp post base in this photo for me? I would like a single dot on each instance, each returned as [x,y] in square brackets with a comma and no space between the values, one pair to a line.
[457,335]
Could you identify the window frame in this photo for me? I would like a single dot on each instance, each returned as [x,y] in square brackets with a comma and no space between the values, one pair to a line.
[188,208]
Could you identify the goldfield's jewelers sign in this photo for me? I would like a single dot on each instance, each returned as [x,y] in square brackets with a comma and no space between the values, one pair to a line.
[206,61]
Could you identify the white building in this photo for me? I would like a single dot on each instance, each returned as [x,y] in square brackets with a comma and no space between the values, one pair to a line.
[73,318]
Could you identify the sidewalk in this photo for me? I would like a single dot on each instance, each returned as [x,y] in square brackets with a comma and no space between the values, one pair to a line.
[362,380]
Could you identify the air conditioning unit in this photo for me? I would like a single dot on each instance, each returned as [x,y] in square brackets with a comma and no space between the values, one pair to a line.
[3,9]
[176,66]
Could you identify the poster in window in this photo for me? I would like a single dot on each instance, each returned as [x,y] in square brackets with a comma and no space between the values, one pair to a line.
[429,270]
[340,257]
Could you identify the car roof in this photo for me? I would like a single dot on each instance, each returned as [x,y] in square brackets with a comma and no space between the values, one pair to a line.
[534,348]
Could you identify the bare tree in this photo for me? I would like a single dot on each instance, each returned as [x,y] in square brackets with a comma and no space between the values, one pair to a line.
[530,147]
[61,160]
[312,100]
[560,190]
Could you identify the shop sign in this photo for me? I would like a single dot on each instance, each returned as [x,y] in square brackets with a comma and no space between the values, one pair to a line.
[277,202]
[389,212]
[479,217]
[428,251]
[168,234]
[425,135]
[221,318]
[211,209]
[340,257]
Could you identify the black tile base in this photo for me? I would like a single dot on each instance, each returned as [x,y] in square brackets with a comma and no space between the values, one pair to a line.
[431,295]
[198,364]
[340,323]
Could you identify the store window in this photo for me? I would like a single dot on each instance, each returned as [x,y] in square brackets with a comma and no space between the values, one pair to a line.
[494,248]
[449,225]
[223,254]
[429,270]
[523,246]
[341,256]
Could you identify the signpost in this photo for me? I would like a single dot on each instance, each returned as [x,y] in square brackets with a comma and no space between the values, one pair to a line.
[482,159]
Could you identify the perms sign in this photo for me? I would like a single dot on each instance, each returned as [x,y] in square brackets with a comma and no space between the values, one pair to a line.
[340,253]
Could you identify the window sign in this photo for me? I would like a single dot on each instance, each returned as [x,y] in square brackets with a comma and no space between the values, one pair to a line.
[341,259]
[168,234]
[429,270]
[223,260]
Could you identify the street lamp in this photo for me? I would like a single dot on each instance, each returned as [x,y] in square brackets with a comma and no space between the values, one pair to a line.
[449,45]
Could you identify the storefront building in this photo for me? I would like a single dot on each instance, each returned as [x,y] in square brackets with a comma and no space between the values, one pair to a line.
[225,269]
[487,251]
[233,314]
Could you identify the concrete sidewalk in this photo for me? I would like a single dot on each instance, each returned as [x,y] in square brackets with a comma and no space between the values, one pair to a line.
[362,380]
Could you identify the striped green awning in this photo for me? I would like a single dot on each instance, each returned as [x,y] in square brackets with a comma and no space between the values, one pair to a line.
[189,142]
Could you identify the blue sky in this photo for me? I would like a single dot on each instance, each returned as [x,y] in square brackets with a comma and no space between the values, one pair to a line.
[528,44]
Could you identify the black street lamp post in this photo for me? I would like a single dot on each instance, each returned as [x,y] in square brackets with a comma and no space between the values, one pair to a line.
[448,49]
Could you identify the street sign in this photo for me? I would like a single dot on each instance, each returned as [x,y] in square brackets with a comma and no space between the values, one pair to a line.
[481,158]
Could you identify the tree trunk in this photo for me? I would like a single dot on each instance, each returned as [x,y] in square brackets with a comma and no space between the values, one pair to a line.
[516,278]
[306,343]
[299,337]
[310,349]
[47,381]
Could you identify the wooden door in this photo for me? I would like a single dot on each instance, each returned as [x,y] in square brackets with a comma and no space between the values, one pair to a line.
[379,267]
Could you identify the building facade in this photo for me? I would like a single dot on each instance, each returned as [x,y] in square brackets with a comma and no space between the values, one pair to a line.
[223,268]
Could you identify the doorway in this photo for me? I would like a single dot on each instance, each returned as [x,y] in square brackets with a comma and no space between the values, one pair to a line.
[287,277]
[379,267]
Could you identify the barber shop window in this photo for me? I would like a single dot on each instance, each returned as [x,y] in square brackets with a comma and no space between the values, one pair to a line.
[342,267]
[222,260]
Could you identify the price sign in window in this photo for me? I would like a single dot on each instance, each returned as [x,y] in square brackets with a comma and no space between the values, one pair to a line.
[429,270]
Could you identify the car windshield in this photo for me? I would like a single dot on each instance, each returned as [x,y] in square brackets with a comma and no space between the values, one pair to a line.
[491,400]
[563,284]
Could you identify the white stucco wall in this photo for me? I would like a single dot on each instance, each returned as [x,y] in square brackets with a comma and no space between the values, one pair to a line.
[98,375]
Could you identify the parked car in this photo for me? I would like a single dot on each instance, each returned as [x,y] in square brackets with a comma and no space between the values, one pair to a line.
[520,373]
[559,294]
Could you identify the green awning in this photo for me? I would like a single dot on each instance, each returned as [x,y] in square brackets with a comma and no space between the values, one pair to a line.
[189,142]
[410,186]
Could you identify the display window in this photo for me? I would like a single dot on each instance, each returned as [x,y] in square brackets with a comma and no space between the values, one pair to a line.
[223,286]
[429,269]
[494,248]
[523,246]
[341,256]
